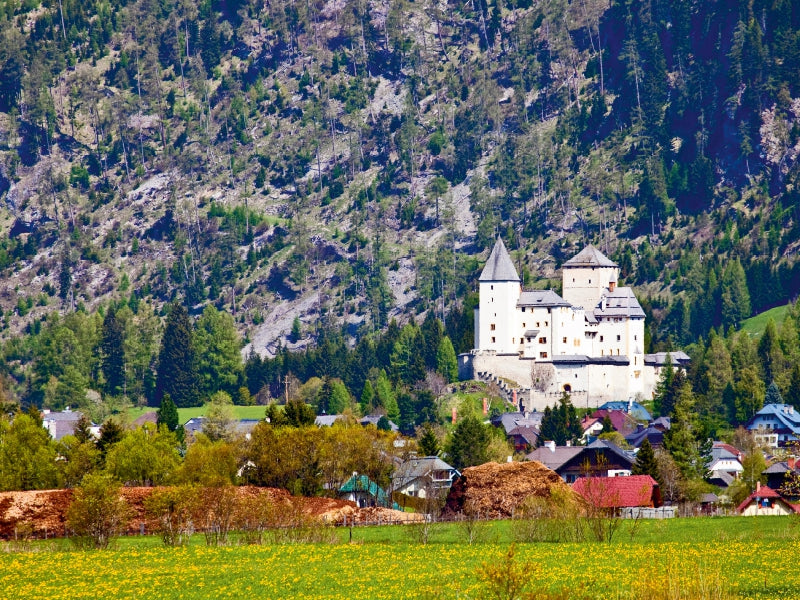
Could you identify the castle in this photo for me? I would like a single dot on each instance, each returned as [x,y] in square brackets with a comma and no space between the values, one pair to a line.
[588,343]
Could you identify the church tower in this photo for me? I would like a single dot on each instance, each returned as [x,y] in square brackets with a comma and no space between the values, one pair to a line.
[496,319]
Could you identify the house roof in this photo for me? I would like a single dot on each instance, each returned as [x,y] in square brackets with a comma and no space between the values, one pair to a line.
[611,447]
[764,492]
[373,420]
[512,420]
[620,421]
[326,420]
[529,434]
[66,415]
[656,437]
[556,457]
[362,483]
[419,467]
[499,267]
[617,492]
[545,298]
[620,303]
[589,257]
[781,468]
[784,414]
[721,479]
[659,359]
[629,406]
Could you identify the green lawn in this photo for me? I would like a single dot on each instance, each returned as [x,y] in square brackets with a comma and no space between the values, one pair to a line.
[756,325]
[184,414]
[745,557]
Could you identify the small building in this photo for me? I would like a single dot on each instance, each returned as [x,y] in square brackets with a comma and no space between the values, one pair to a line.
[725,464]
[601,458]
[375,419]
[364,492]
[766,501]
[327,420]
[642,433]
[775,425]
[423,477]
[60,424]
[780,473]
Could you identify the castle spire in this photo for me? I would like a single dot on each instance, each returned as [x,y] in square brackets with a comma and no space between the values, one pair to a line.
[499,267]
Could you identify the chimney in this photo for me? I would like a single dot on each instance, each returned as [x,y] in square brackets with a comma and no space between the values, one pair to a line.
[569,443]
[550,444]
[758,486]
[612,286]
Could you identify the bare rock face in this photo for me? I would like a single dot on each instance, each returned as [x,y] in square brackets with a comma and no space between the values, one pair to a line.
[495,490]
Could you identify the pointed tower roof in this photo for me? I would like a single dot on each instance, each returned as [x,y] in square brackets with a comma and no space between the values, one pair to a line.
[590,257]
[499,267]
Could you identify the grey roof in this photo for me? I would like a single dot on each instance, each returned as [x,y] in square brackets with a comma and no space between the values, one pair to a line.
[518,419]
[590,257]
[659,359]
[620,303]
[529,433]
[373,420]
[721,479]
[66,415]
[327,420]
[546,298]
[781,467]
[611,447]
[419,467]
[554,459]
[499,267]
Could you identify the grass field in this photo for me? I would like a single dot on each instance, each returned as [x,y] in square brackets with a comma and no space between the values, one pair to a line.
[756,325]
[184,414]
[755,557]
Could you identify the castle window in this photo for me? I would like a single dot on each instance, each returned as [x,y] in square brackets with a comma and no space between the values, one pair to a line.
[601,338]
[491,287]
[542,340]
[523,325]
[545,323]
[590,281]
[492,327]
[542,354]
[635,338]
[493,340]
[601,351]
[523,310]
[634,360]
[619,338]
[513,340]
[563,340]
[537,323]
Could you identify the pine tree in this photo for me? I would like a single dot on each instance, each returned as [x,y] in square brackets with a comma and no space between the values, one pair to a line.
[367,397]
[177,367]
[793,393]
[646,463]
[773,395]
[168,413]
[469,443]
[83,431]
[428,442]
[113,353]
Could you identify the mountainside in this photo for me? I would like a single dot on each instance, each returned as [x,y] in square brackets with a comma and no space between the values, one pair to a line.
[308,164]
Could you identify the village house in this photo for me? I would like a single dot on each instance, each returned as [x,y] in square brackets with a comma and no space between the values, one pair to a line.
[588,343]
[775,425]
[765,501]
[636,491]
[601,458]
[423,477]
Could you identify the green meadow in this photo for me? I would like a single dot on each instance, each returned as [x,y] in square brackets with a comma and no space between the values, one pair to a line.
[716,558]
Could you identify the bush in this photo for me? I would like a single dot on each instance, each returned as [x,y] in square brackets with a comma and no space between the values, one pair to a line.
[97,512]
[172,509]
[554,519]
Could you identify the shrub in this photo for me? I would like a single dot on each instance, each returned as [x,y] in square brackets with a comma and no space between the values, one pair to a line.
[97,512]
[172,510]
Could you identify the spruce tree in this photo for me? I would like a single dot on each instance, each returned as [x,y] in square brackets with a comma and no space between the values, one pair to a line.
[113,353]
[177,367]
[469,443]
[646,463]
[168,413]
[446,362]
[428,442]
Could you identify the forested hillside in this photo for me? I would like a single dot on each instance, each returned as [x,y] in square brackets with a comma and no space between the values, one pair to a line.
[316,169]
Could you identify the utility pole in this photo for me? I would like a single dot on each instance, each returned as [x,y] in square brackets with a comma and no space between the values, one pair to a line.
[286,387]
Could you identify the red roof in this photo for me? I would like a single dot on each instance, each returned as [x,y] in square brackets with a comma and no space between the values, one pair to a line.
[765,492]
[620,421]
[618,492]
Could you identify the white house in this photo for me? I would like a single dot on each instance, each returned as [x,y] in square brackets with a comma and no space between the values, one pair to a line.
[589,343]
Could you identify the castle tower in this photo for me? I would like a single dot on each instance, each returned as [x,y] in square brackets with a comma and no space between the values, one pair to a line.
[587,276]
[496,322]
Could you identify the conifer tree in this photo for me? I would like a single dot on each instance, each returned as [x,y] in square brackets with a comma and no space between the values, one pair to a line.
[168,413]
[646,463]
[177,367]
[428,442]
[113,353]
[469,443]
